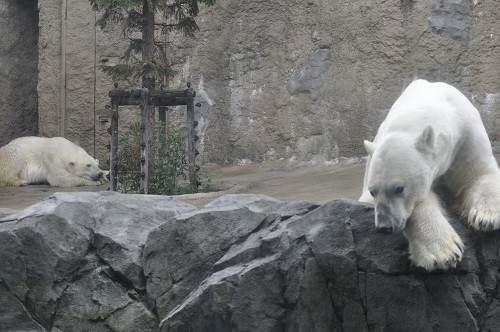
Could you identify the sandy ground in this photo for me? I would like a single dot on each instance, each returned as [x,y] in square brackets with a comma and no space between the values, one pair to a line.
[285,181]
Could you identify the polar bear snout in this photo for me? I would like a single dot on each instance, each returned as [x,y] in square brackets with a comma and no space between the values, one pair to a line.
[383,223]
[385,229]
[386,223]
[388,227]
[96,176]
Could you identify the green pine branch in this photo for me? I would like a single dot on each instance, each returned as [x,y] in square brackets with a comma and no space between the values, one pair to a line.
[181,16]
[137,69]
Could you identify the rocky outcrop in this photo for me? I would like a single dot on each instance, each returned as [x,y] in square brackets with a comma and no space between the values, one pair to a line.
[113,262]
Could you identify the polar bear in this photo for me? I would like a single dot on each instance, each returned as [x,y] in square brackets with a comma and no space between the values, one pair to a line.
[61,163]
[432,139]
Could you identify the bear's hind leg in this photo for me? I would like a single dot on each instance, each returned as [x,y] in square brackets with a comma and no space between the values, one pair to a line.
[13,182]
[433,243]
[481,203]
[11,161]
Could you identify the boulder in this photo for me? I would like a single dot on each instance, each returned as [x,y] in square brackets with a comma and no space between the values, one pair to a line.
[115,262]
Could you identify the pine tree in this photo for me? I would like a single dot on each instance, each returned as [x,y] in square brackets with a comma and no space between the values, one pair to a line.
[139,16]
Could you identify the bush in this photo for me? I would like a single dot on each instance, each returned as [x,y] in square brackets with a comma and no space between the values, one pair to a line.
[168,164]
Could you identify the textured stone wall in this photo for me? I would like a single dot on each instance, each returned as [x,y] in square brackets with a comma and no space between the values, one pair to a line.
[307,80]
[73,92]
[50,68]
[18,69]
[315,78]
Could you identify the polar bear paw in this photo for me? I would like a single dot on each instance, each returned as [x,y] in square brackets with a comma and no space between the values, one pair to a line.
[14,182]
[482,204]
[485,216]
[105,177]
[437,253]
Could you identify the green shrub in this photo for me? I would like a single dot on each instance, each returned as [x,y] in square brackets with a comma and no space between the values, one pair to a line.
[168,163]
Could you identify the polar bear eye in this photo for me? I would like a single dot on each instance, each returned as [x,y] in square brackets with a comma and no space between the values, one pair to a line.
[88,165]
[72,164]
[399,190]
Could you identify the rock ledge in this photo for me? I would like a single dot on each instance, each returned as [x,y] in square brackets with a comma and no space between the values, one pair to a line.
[113,262]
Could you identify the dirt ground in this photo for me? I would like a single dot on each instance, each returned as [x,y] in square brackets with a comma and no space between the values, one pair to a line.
[279,179]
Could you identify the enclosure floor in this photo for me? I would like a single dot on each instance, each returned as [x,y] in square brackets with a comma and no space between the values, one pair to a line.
[278,179]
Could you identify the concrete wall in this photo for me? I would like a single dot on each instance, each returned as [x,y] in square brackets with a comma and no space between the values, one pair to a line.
[307,80]
[18,69]
[312,79]
[73,92]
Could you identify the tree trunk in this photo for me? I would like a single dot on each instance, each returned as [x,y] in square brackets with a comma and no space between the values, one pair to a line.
[148,82]
[148,40]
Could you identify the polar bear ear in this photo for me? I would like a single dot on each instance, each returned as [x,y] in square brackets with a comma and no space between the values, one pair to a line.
[369,147]
[427,140]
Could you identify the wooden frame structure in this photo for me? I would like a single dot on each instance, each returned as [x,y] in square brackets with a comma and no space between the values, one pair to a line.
[144,99]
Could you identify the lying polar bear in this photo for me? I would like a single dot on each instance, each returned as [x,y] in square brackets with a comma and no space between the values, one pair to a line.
[61,163]
[433,136]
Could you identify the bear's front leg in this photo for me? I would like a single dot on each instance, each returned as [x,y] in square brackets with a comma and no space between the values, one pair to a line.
[481,203]
[433,243]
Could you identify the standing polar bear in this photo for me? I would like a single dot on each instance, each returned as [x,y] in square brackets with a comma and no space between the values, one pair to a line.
[433,136]
[55,160]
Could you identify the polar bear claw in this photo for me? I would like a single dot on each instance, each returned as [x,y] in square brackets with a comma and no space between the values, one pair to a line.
[442,253]
[482,204]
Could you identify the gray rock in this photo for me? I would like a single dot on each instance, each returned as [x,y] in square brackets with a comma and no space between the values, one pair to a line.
[123,226]
[75,259]
[13,314]
[297,208]
[180,253]
[382,303]
[234,298]
[114,262]
[311,76]
[337,274]
[257,203]
[101,301]
[452,18]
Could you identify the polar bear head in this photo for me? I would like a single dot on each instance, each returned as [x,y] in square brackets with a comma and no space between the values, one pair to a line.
[400,176]
[84,166]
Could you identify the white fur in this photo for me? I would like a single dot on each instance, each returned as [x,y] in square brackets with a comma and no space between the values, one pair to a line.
[61,163]
[432,241]
[432,133]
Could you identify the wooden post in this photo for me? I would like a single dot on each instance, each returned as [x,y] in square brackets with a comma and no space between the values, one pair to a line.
[113,146]
[144,142]
[162,118]
[162,114]
[193,180]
